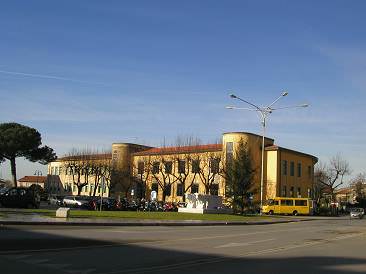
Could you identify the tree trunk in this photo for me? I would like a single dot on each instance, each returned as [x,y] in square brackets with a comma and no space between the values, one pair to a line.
[13,171]
[164,195]
[79,190]
[207,189]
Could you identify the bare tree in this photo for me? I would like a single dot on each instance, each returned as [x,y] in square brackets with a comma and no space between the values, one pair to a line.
[187,162]
[210,170]
[331,175]
[162,172]
[79,165]
[358,184]
[318,188]
[142,171]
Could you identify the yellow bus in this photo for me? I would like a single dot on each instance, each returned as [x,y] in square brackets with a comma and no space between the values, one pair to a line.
[286,205]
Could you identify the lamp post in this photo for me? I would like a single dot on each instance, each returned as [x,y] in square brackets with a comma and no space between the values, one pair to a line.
[38,173]
[264,112]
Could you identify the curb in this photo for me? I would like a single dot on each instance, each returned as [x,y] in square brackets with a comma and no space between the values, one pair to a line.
[173,223]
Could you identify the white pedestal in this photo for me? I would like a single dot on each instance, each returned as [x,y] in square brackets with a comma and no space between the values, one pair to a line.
[62,212]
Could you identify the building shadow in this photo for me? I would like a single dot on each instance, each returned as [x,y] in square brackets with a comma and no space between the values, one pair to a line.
[25,251]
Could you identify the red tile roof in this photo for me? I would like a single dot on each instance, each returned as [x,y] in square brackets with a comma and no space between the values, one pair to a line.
[180,149]
[345,190]
[33,179]
[101,156]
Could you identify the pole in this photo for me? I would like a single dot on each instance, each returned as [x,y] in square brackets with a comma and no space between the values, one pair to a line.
[101,196]
[262,161]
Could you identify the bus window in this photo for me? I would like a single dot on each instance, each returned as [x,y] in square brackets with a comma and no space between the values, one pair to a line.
[301,203]
[287,202]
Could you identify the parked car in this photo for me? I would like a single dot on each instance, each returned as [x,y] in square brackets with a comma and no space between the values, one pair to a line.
[55,200]
[357,213]
[3,190]
[74,201]
[20,197]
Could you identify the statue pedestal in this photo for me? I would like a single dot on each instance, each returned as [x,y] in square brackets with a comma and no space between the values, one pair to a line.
[200,203]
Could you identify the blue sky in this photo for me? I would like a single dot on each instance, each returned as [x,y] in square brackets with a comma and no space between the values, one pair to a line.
[89,73]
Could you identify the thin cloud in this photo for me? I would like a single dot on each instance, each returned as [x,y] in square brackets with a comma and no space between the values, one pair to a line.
[52,77]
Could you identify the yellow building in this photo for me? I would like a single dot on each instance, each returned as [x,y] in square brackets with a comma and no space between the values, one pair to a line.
[168,173]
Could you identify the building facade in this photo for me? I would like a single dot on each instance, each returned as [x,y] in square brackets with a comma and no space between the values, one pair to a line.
[167,173]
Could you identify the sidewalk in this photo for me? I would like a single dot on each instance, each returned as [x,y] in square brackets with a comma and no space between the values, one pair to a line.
[20,218]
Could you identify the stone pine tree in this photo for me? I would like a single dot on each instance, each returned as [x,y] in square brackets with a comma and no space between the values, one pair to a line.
[239,173]
[17,140]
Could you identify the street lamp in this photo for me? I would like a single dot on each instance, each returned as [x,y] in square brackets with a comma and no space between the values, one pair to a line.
[263,112]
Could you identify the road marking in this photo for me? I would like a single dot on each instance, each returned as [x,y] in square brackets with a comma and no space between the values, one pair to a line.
[204,261]
[243,244]
[81,271]
[36,261]
[56,266]
[158,242]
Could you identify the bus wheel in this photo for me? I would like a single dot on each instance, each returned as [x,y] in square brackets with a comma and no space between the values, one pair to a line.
[270,212]
[295,213]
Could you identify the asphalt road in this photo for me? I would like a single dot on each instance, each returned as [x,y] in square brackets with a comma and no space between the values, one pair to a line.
[321,246]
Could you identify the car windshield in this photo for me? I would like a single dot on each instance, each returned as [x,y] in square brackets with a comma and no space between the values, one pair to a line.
[357,210]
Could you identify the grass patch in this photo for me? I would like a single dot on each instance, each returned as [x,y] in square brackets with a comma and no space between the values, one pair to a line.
[160,215]
[137,215]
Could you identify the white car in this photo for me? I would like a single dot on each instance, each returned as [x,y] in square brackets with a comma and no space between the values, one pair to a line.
[73,201]
[357,213]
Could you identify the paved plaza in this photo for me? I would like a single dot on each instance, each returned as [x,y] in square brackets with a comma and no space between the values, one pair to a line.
[318,246]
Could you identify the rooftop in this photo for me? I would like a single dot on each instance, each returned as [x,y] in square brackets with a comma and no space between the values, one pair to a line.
[32,179]
[180,149]
[275,147]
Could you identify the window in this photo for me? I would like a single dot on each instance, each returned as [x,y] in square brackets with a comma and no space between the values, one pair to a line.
[214,165]
[86,188]
[195,166]
[74,188]
[168,167]
[56,170]
[284,167]
[181,166]
[115,155]
[99,189]
[180,190]
[287,203]
[214,189]
[52,170]
[91,189]
[284,191]
[168,190]
[22,192]
[298,169]
[292,169]
[59,170]
[301,202]
[155,168]
[194,188]
[140,167]
[292,192]
[309,172]
[229,151]
[154,187]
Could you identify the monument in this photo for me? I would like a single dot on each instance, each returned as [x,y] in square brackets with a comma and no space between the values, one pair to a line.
[201,203]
